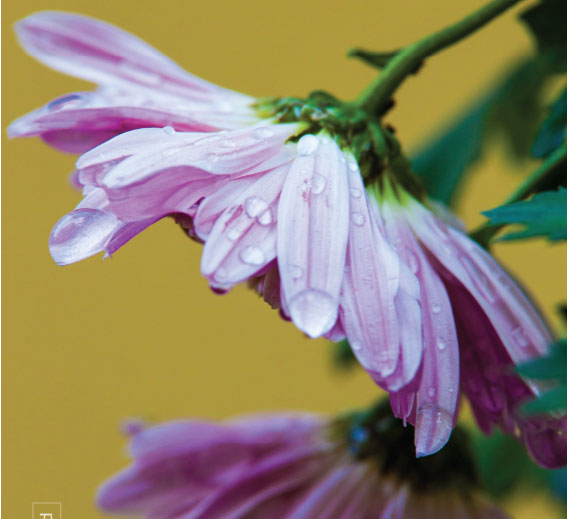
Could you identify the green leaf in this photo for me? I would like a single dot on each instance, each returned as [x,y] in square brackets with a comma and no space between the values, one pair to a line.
[503,464]
[554,400]
[552,366]
[545,214]
[342,355]
[512,109]
[374,59]
[553,131]
[547,23]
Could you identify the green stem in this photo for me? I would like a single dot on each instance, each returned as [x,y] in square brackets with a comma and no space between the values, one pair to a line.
[548,176]
[376,96]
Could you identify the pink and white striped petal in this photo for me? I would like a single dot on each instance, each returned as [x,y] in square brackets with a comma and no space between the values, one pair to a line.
[102,53]
[312,236]
[243,239]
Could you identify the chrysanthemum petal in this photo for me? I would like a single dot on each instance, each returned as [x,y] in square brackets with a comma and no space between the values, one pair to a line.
[312,234]
[243,239]
[102,53]
[370,285]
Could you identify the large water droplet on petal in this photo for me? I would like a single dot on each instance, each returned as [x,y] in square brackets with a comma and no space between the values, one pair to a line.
[433,428]
[295,271]
[254,206]
[355,193]
[234,233]
[265,218]
[307,144]
[80,234]
[441,343]
[435,308]
[313,312]
[357,219]
[318,184]
[169,130]
[252,255]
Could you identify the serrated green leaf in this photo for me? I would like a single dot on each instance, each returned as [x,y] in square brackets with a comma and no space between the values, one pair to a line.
[552,366]
[545,214]
[546,22]
[374,59]
[553,131]
[554,400]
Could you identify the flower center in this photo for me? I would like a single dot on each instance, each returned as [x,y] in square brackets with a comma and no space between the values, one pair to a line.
[377,436]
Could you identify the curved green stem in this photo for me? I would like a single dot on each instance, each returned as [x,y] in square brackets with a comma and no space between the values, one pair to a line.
[376,96]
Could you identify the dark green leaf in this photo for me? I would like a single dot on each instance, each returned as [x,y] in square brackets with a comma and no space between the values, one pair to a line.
[374,59]
[545,214]
[511,109]
[547,23]
[554,400]
[553,131]
[503,464]
[343,357]
[552,366]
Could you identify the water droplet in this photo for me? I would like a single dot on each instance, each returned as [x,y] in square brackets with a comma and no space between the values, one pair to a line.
[295,271]
[80,234]
[265,218]
[352,164]
[227,143]
[433,428]
[68,101]
[313,311]
[254,206]
[358,219]
[262,133]
[252,255]
[234,233]
[307,144]
[168,130]
[441,343]
[413,263]
[520,337]
[431,392]
[318,184]
[435,308]
[355,193]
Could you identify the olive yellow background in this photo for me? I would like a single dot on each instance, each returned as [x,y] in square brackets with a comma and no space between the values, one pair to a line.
[141,335]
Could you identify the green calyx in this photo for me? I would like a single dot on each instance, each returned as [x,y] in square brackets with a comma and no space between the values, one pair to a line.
[377,436]
[372,143]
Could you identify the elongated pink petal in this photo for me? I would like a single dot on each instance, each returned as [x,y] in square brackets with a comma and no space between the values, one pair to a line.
[312,234]
[243,240]
[227,153]
[99,52]
[370,285]
[517,323]
[216,204]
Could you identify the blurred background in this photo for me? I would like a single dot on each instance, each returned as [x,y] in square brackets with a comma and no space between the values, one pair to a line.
[141,335]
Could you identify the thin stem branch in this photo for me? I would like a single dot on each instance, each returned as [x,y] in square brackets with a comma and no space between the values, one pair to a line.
[376,96]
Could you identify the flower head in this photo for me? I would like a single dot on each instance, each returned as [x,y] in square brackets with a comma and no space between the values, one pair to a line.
[293,466]
[277,192]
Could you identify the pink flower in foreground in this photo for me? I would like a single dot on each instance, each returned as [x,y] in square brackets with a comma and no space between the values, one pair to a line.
[284,205]
[291,466]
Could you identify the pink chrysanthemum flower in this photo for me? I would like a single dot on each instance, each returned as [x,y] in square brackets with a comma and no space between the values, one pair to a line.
[292,466]
[278,198]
